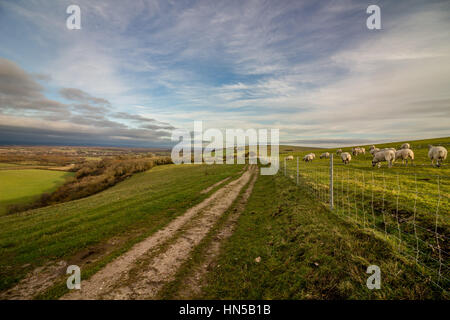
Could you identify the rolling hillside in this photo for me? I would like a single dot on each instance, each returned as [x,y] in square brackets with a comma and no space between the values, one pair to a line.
[126,212]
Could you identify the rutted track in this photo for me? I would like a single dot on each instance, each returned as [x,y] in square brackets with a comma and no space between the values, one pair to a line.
[192,285]
[142,271]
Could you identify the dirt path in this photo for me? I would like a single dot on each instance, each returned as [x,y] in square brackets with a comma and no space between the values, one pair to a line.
[146,267]
[214,185]
[36,281]
[192,284]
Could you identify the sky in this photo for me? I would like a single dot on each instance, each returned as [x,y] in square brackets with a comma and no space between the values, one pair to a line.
[136,70]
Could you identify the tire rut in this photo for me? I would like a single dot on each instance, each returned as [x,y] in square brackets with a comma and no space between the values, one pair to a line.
[192,284]
[114,281]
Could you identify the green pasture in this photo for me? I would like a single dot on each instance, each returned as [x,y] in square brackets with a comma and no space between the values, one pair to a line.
[25,185]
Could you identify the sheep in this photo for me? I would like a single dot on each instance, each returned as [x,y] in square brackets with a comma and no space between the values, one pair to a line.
[290,158]
[393,149]
[372,147]
[374,150]
[383,155]
[325,155]
[309,157]
[437,154]
[405,146]
[358,150]
[404,154]
[338,151]
[346,157]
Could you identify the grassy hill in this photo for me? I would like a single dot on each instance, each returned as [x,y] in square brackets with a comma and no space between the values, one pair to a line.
[126,212]
[305,252]
[409,203]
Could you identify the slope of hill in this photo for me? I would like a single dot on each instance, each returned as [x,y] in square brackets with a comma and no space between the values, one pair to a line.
[102,225]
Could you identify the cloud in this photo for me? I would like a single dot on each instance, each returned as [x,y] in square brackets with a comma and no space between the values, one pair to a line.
[26,114]
[313,70]
[81,96]
[19,91]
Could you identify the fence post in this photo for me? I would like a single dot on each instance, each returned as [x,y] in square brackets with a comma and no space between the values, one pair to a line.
[331,182]
[284,166]
[297,170]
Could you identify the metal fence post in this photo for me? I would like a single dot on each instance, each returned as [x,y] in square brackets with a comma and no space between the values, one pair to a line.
[331,182]
[297,170]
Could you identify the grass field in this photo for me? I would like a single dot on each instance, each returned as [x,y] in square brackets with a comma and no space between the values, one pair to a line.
[306,250]
[127,212]
[23,186]
[4,165]
[410,203]
[306,253]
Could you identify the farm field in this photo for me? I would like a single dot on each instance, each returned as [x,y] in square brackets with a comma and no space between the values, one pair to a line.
[289,246]
[25,185]
[409,203]
[225,232]
[4,165]
[91,231]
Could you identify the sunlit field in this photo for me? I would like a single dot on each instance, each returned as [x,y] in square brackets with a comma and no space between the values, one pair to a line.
[408,204]
[25,185]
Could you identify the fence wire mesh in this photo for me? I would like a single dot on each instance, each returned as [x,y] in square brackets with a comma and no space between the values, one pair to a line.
[411,210]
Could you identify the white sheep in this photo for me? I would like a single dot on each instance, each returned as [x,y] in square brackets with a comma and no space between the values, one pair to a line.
[325,155]
[383,155]
[358,150]
[404,154]
[437,154]
[405,146]
[374,150]
[290,158]
[346,157]
[309,157]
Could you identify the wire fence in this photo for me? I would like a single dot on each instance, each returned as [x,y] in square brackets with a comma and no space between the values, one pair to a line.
[411,210]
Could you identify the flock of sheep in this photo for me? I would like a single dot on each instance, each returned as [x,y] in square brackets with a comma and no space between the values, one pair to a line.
[390,155]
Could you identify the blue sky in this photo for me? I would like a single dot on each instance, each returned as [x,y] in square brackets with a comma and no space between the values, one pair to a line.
[138,69]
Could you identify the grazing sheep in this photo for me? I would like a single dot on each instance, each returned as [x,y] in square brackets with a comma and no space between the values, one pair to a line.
[383,155]
[325,155]
[290,158]
[309,157]
[393,149]
[437,154]
[404,154]
[358,150]
[338,151]
[346,157]
[372,147]
[374,150]
[405,146]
